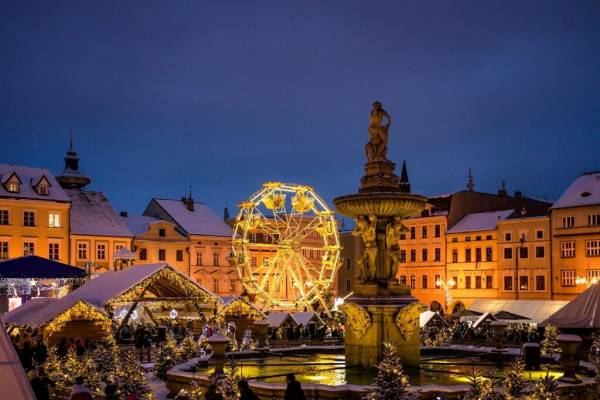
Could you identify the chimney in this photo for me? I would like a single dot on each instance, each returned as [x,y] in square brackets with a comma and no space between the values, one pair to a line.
[123,214]
[189,203]
[502,190]
[226,213]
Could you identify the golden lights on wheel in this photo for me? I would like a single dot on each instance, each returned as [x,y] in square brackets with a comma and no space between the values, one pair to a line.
[286,247]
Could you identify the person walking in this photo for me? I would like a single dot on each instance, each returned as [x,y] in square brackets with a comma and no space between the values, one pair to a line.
[40,383]
[294,389]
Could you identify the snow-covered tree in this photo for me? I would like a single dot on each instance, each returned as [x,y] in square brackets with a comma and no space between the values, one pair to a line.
[550,344]
[132,380]
[189,347]
[166,357]
[514,383]
[106,356]
[391,383]
[545,388]
[84,366]
[482,387]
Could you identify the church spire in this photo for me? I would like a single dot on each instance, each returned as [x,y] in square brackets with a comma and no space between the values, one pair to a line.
[404,183]
[71,177]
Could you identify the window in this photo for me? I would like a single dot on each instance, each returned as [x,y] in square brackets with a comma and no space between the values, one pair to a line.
[3,217]
[349,284]
[539,234]
[438,281]
[82,251]
[594,219]
[29,218]
[507,253]
[348,264]
[215,285]
[540,283]
[489,282]
[402,255]
[413,255]
[523,252]
[266,261]
[507,237]
[253,261]
[253,238]
[593,274]
[162,232]
[567,277]
[478,237]
[437,254]
[488,254]
[468,239]
[53,252]
[424,255]
[198,258]
[567,249]
[216,258]
[403,236]
[568,222]
[523,283]
[455,281]
[232,285]
[28,248]
[467,255]
[539,252]
[454,255]
[413,233]
[143,254]
[43,190]
[424,281]
[12,187]
[488,237]
[477,282]
[162,255]
[592,248]
[101,251]
[508,283]
[455,239]
[179,255]
[54,220]
[424,232]
[3,250]
[478,254]
[468,282]
[437,230]
[403,279]
[413,281]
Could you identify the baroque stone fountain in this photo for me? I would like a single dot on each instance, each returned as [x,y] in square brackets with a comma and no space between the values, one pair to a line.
[380,309]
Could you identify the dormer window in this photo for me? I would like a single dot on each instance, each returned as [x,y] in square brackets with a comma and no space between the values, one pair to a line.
[42,186]
[43,190]
[12,187]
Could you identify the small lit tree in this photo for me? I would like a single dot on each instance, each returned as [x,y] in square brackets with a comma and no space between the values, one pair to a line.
[189,347]
[550,344]
[482,387]
[132,380]
[106,356]
[166,357]
[545,388]
[391,383]
[514,383]
[74,366]
[227,383]
[53,366]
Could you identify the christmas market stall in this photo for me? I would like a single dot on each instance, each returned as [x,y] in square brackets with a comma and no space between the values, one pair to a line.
[241,313]
[57,318]
[309,324]
[281,325]
[15,384]
[32,276]
[150,293]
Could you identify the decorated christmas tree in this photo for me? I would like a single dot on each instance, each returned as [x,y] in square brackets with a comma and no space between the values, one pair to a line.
[166,357]
[391,382]
[189,347]
[106,356]
[514,383]
[84,366]
[482,387]
[545,388]
[550,344]
[227,383]
[131,377]
[195,392]
[54,366]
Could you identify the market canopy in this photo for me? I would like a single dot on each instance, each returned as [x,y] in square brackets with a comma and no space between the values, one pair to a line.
[508,316]
[581,312]
[278,319]
[29,267]
[465,313]
[15,384]
[236,305]
[307,317]
[143,283]
[536,310]
[484,317]
[428,316]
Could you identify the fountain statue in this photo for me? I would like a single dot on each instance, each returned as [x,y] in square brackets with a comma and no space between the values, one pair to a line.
[380,309]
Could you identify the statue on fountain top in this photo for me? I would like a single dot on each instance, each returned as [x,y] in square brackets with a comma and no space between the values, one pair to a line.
[376,148]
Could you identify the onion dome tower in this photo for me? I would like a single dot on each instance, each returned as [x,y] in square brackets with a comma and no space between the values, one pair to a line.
[71,177]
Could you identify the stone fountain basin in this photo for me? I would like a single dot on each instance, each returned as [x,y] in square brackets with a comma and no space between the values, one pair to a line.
[381,204]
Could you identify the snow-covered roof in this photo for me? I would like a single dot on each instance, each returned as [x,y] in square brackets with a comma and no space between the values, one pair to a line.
[139,224]
[537,310]
[486,316]
[427,316]
[581,312]
[201,221]
[37,312]
[483,221]
[110,285]
[584,191]
[124,254]
[304,318]
[29,177]
[277,319]
[15,384]
[92,214]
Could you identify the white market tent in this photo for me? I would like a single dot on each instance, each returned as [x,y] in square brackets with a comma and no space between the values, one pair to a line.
[279,319]
[581,312]
[305,318]
[485,317]
[427,316]
[15,385]
[536,310]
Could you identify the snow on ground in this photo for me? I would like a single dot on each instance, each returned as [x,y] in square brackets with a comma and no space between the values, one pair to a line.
[158,387]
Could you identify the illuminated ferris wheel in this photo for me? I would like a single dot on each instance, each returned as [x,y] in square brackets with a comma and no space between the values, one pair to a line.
[286,247]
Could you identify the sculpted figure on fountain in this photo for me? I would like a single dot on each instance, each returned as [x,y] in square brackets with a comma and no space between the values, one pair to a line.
[366,229]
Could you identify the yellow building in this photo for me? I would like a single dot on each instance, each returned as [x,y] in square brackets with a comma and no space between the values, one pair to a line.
[524,252]
[472,258]
[350,253]
[423,259]
[575,220]
[157,241]
[209,242]
[34,214]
